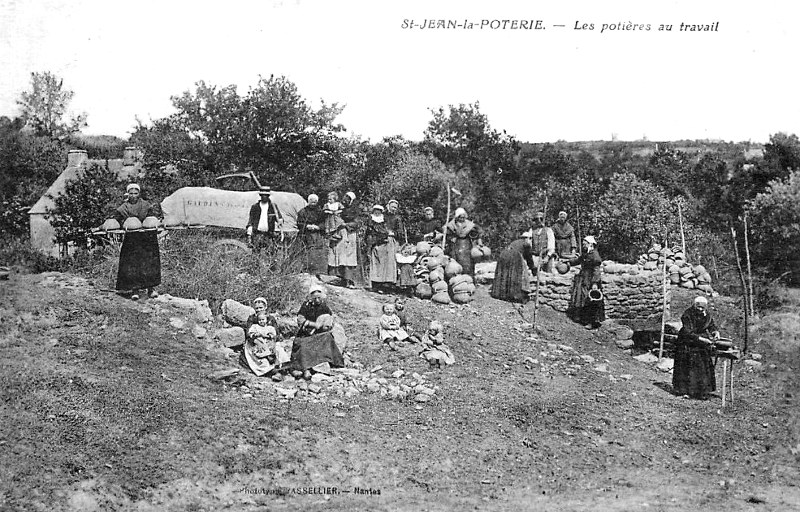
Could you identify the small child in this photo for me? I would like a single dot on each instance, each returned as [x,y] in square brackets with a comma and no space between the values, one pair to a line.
[334,225]
[390,330]
[263,337]
[433,348]
[400,311]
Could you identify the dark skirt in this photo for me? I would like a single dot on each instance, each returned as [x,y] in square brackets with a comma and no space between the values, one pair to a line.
[511,277]
[462,252]
[406,275]
[139,261]
[309,351]
[693,372]
[582,309]
[316,253]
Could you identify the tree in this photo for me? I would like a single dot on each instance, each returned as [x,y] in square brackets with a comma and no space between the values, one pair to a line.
[781,155]
[271,130]
[461,137]
[85,203]
[45,106]
[416,180]
[630,216]
[775,225]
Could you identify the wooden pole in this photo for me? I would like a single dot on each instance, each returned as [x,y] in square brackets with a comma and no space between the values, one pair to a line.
[749,270]
[578,224]
[539,268]
[446,220]
[724,379]
[683,238]
[664,304]
[744,287]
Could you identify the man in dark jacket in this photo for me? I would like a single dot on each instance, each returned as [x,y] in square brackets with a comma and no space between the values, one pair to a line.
[262,220]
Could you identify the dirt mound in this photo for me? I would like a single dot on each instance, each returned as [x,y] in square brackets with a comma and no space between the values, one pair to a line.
[107,404]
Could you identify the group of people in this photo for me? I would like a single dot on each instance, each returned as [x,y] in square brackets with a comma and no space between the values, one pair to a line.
[537,250]
[330,234]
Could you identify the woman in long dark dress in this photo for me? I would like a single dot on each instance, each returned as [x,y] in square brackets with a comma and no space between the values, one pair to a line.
[314,344]
[584,308]
[462,234]
[381,247]
[693,371]
[139,258]
[310,222]
[511,277]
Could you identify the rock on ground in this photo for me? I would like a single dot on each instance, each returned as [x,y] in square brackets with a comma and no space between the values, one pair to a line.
[236,313]
[230,336]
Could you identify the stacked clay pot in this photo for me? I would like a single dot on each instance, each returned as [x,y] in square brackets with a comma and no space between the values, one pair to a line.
[440,278]
[679,271]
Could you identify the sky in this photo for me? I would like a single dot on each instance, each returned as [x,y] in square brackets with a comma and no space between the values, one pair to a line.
[124,60]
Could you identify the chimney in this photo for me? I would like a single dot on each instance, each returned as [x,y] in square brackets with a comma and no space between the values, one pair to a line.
[77,157]
[131,156]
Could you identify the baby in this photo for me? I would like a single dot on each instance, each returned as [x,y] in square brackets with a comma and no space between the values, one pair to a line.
[390,329]
[433,348]
[334,225]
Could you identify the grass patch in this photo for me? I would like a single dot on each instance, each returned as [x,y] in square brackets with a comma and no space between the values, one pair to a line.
[18,252]
[195,265]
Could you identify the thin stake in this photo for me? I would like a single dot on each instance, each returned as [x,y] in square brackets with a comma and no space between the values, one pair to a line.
[539,268]
[724,379]
[744,288]
[446,220]
[749,271]
[663,305]
[683,238]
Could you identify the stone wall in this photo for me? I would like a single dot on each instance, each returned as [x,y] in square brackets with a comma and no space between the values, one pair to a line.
[631,293]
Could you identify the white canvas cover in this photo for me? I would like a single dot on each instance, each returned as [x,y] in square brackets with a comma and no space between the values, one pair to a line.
[226,208]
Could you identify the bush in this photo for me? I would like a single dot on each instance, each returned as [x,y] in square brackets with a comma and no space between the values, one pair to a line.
[85,203]
[17,251]
[416,181]
[775,226]
[193,266]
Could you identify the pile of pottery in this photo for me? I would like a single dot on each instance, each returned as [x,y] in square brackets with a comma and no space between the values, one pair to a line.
[441,278]
[679,271]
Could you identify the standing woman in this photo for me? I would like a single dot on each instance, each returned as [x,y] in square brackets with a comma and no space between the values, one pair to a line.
[343,250]
[512,281]
[462,234]
[586,305]
[310,222]
[139,259]
[381,248]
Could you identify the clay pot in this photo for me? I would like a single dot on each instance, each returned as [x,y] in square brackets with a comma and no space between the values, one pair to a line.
[462,298]
[110,224]
[423,248]
[441,298]
[452,269]
[150,222]
[423,291]
[132,224]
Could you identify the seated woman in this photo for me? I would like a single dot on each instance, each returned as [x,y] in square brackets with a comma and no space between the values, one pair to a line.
[315,344]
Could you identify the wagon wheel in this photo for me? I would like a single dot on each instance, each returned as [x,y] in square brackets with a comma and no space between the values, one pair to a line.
[230,246]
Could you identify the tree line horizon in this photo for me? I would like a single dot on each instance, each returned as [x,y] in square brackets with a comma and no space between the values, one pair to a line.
[627,198]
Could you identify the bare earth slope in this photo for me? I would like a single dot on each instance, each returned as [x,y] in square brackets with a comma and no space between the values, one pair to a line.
[107,404]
